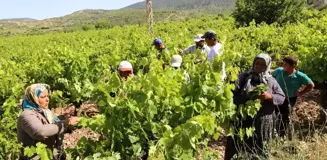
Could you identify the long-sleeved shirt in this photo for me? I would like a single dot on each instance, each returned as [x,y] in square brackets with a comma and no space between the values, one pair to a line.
[193,48]
[33,127]
[268,107]
[162,52]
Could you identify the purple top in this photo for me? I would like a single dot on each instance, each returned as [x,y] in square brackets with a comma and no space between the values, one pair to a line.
[268,107]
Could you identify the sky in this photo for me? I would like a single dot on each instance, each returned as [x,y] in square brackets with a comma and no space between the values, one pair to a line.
[42,9]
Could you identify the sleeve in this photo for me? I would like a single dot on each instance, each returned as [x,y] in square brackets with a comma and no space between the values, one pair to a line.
[207,49]
[188,79]
[218,50]
[166,51]
[275,72]
[305,79]
[238,98]
[186,51]
[240,81]
[35,129]
[278,96]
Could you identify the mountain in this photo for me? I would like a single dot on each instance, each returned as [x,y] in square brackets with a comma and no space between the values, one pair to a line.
[164,10]
[92,19]
[19,19]
[119,17]
[185,4]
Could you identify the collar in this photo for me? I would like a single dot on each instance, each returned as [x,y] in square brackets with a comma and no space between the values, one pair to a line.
[203,47]
[162,49]
[293,75]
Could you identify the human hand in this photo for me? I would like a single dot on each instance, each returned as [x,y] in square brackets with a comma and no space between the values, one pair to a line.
[298,94]
[265,96]
[72,121]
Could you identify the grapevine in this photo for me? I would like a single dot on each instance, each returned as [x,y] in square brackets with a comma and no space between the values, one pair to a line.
[160,113]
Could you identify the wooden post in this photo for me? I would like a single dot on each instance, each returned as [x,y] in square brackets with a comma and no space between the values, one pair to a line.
[150,15]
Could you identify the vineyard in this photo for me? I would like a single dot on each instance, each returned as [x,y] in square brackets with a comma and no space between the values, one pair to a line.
[156,112]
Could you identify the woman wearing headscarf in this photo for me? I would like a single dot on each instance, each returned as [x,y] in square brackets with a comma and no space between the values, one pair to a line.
[38,124]
[263,121]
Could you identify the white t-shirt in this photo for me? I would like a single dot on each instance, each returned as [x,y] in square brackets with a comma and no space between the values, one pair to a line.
[216,51]
[192,49]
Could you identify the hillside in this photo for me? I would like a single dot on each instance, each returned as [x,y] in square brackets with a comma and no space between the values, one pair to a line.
[19,19]
[183,116]
[121,17]
[186,4]
[93,19]
[164,10]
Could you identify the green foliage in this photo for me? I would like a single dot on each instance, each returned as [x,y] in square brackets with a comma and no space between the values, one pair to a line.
[85,20]
[268,11]
[103,24]
[250,108]
[97,156]
[257,91]
[158,112]
[40,150]
[162,111]
[187,4]
[88,27]
[9,146]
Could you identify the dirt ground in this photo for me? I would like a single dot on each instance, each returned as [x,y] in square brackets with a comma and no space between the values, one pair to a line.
[72,137]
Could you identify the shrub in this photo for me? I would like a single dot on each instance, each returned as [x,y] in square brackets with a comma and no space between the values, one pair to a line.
[268,11]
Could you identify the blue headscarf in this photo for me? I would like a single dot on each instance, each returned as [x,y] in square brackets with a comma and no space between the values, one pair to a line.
[31,101]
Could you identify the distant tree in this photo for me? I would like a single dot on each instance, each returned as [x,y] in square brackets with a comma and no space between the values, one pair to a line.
[45,27]
[88,27]
[103,24]
[269,11]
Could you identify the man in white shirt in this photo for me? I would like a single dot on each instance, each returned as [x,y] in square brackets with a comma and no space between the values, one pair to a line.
[215,48]
[199,45]
[211,40]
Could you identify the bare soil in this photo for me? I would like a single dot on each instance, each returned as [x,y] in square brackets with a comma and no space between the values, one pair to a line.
[72,137]
[308,109]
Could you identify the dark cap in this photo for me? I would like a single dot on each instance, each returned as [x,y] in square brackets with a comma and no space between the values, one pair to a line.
[210,35]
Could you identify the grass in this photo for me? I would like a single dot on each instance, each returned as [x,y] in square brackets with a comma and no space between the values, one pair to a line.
[314,148]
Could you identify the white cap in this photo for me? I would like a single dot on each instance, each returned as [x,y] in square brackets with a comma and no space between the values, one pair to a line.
[176,61]
[125,66]
[198,38]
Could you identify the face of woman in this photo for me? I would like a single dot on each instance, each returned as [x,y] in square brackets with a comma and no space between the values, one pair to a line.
[259,66]
[44,99]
